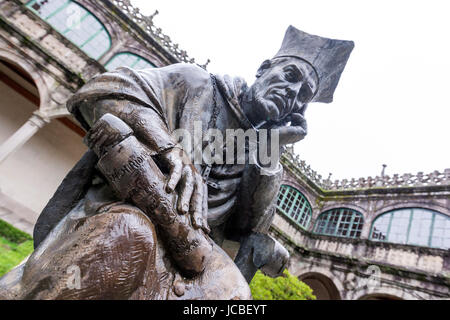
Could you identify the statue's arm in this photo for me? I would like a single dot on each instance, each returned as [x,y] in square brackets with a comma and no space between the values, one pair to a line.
[257,198]
[151,129]
[258,250]
[146,123]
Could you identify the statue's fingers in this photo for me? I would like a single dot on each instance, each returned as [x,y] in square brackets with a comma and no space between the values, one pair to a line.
[290,135]
[197,203]
[187,188]
[205,227]
[175,174]
[298,120]
[295,132]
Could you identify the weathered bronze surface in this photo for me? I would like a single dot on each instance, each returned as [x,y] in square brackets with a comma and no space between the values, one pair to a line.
[128,167]
[138,219]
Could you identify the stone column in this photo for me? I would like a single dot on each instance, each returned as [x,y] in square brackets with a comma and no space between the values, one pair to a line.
[22,135]
[368,219]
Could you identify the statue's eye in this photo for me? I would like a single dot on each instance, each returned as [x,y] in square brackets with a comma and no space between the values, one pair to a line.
[292,75]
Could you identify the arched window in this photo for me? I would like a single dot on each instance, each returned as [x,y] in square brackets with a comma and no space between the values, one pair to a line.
[293,204]
[341,222]
[75,23]
[128,59]
[415,226]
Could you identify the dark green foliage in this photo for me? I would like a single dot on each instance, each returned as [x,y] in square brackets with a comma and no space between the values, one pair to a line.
[286,287]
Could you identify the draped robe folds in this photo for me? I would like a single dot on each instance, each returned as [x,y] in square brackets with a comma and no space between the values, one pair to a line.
[183,95]
[242,200]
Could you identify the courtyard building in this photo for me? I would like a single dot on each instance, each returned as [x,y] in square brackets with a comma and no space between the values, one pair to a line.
[386,237]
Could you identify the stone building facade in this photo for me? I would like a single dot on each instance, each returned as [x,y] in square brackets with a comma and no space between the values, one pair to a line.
[50,48]
[386,237]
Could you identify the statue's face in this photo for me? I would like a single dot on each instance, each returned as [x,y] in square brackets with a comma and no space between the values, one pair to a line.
[282,85]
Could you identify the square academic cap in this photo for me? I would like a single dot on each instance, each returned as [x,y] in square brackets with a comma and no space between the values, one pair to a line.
[327,57]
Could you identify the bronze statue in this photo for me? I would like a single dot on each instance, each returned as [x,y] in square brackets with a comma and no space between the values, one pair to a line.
[137,218]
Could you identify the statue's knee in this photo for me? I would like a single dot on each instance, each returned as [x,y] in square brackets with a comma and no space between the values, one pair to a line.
[122,241]
[128,224]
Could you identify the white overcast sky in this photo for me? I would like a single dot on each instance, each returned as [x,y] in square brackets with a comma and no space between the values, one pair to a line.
[392,103]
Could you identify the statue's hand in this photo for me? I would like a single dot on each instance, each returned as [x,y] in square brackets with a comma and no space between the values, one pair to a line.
[150,129]
[295,132]
[186,180]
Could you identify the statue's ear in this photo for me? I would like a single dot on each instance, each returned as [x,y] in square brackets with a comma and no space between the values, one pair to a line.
[265,65]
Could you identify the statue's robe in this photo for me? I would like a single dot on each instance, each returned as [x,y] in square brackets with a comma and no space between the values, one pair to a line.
[242,199]
[84,212]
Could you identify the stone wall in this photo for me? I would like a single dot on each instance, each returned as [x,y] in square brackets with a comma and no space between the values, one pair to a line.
[342,266]
[36,151]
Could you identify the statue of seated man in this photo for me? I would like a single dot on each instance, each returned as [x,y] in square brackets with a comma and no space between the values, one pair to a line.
[138,217]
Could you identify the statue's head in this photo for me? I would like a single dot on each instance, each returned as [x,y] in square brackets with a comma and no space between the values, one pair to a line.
[283,86]
[306,69]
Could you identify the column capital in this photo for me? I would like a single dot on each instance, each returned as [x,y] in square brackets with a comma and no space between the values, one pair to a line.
[23,134]
[38,119]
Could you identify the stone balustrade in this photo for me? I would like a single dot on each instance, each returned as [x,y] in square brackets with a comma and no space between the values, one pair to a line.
[406,180]
[146,24]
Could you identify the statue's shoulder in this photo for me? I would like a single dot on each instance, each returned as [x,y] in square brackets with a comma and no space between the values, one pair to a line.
[192,75]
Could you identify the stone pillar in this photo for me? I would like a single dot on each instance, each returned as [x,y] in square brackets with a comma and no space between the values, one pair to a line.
[22,135]
[368,218]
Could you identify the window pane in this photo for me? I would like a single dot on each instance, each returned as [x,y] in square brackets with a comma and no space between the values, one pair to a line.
[320,224]
[127,59]
[293,204]
[419,233]
[381,227]
[88,27]
[142,64]
[44,7]
[399,226]
[413,226]
[62,18]
[340,222]
[441,232]
[74,22]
